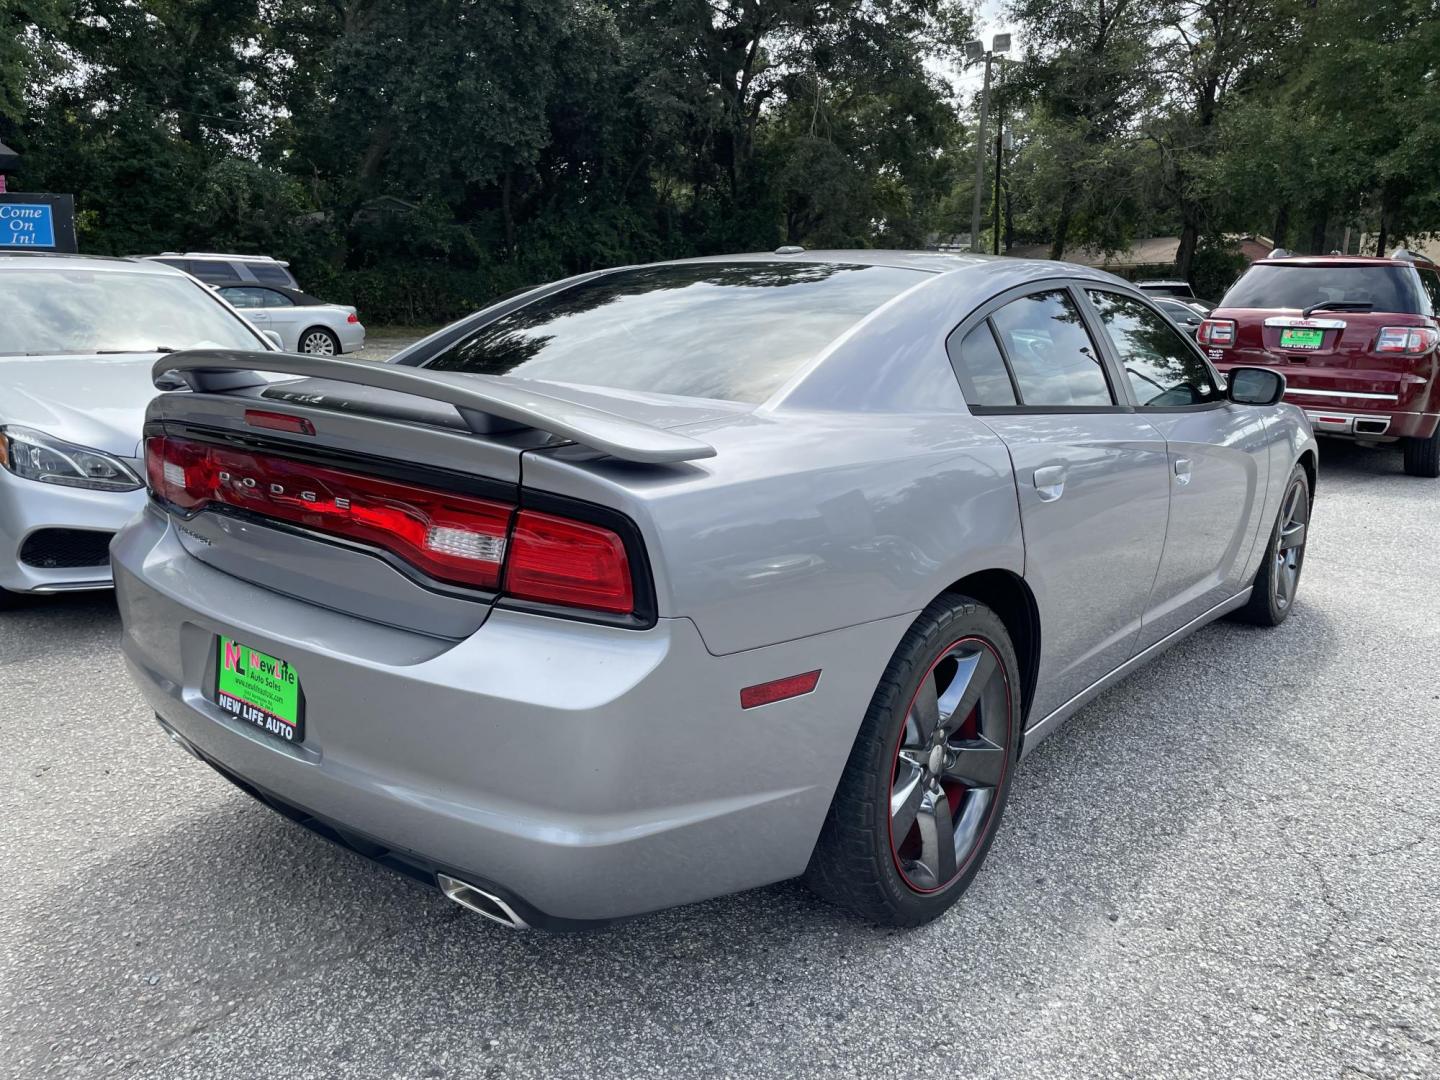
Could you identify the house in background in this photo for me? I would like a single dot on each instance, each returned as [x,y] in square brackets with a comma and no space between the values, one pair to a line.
[1150,257]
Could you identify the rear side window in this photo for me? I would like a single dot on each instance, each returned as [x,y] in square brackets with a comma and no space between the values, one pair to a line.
[1278,285]
[1163,370]
[734,331]
[276,299]
[1430,279]
[981,368]
[212,270]
[1054,361]
[270,274]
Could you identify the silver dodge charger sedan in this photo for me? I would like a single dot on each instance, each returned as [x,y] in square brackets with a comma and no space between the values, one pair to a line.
[663,582]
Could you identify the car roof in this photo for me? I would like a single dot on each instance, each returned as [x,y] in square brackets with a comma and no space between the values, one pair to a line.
[1163,281]
[1000,271]
[52,260]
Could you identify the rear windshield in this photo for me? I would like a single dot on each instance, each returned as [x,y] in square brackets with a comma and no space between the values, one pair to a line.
[734,331]
[1385,288]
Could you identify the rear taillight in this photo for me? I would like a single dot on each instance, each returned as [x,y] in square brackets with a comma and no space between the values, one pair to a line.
[456,538]
[352,318]
[1217,332]
[558,561]
[1407,340]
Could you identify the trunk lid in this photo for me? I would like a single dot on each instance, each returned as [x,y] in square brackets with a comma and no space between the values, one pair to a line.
[350,427]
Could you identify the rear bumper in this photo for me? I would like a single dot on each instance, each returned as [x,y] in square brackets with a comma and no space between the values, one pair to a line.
[1370,424]
[352,336]
[27,507]
[583,772]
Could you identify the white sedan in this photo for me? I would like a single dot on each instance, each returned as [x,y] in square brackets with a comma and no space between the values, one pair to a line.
[305,324]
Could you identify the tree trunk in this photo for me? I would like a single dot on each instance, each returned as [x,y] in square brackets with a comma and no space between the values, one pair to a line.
[1185,253]
[1062,224]
[1282,225]
[1317,231]
[1383,236]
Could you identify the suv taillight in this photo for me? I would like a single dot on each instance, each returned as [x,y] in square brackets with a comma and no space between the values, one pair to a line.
[452,537]
[1407,340]
[1217,332]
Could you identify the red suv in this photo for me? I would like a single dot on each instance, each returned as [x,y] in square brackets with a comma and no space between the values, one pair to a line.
[1357,339]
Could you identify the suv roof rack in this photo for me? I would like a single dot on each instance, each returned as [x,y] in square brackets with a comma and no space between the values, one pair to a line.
[216,255]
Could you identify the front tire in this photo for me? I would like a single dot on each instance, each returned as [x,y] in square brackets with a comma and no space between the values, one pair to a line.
[317,341]
[1278,578]
[1422,456]
[924,789]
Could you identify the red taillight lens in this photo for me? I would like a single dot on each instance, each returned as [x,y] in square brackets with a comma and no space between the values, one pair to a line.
[1409,340]
[352,318]
[452,537]
[1217,332]
[559,561]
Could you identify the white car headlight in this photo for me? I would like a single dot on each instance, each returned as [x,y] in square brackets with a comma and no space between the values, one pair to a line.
[37,456]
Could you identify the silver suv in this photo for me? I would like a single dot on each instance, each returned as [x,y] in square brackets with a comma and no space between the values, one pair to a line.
[214,269]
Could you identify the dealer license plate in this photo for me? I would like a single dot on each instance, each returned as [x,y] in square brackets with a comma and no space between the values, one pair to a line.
[1294,337]
[259,689]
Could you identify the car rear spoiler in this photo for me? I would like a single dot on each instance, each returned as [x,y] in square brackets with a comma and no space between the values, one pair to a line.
[485,403]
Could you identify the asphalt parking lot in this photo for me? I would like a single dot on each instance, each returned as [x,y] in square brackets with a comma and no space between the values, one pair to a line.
[1227,866]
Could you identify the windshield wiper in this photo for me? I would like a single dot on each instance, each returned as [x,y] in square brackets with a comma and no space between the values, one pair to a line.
[1338,305]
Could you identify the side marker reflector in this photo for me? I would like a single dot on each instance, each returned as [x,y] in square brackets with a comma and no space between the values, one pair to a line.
[779,689]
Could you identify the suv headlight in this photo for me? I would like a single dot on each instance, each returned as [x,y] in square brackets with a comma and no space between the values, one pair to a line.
[37,456]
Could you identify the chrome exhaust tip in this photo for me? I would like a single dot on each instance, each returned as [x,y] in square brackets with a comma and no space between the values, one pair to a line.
[1377,426]
[480,902]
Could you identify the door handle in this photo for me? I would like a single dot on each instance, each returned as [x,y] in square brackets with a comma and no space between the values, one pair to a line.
[1182,470]
[1050,482]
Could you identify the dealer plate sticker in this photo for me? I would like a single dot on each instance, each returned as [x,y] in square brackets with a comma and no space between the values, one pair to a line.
[1301,338]
[259,689]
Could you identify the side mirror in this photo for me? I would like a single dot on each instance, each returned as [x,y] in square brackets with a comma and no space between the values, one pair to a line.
[274,338]
[1254,386]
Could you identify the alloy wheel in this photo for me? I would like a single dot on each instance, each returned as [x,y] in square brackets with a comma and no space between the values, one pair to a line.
[318,343]
[1290,548]
[949,765]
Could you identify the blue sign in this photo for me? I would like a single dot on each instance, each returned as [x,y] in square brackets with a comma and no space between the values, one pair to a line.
[27,225]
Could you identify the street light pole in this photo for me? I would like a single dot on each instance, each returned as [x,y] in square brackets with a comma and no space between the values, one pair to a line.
[980,156]
[974,50]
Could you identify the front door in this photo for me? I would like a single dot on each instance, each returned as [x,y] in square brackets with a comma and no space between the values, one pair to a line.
[1092,478]
[1218,456]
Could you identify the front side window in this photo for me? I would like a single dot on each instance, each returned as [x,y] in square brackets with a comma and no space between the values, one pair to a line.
[1162,369]
[1054,361]
[56,312]
[729,330]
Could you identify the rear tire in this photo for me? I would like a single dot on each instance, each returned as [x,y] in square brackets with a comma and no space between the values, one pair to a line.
[934,758]
[1422,456]
[317,341]
[1278,578]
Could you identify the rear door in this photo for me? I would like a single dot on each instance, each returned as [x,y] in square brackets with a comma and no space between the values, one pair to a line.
[1092,477]
[1218,455]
